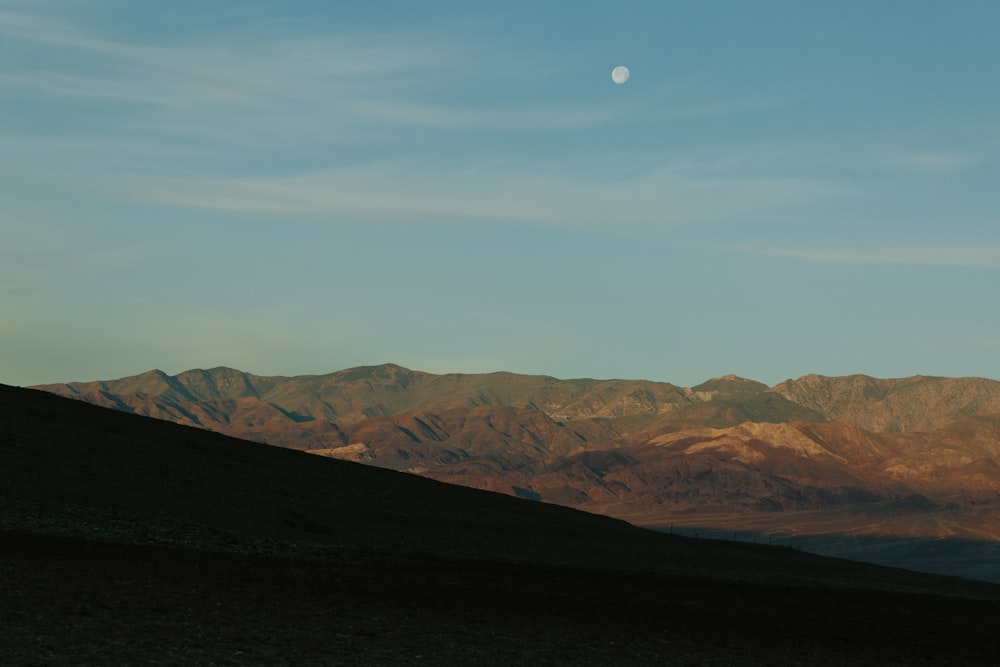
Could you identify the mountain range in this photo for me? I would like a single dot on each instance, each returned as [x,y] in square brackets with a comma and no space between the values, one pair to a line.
[881,459]
[126,540]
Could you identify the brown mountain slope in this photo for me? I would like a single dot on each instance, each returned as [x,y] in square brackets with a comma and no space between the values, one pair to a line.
[835,463]
[766,468]
[232,401]
[507,436]
[916,403]
[502,422]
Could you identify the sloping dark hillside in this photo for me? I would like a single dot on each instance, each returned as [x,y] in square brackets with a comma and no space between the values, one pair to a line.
[175,482]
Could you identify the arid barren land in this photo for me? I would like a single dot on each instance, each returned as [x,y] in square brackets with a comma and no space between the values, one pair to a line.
[128,539]
[70,601]
[820,462]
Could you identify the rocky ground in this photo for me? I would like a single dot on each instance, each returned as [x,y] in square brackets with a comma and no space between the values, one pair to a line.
[77,602]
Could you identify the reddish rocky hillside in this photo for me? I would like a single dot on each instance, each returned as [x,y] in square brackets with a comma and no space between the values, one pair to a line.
[916,403]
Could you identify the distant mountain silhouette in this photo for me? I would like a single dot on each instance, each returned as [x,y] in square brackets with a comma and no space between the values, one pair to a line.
[912,457]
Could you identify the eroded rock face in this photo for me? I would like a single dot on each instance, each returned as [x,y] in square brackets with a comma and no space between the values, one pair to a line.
[916,403]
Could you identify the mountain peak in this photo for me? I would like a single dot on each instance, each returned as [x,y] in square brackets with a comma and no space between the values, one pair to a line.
[217,382]
[377,368]
[731,384]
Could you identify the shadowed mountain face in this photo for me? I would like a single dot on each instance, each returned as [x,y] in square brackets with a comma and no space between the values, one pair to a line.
[916,457]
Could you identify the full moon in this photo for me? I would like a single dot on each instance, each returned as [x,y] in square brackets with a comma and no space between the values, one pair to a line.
[620,74]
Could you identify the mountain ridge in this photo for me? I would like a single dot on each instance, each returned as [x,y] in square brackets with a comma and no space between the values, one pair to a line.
[916,455]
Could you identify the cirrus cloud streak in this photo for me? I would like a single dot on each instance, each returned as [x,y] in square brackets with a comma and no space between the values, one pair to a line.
[958,255]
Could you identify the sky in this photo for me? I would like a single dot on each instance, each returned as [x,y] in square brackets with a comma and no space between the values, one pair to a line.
[780,188]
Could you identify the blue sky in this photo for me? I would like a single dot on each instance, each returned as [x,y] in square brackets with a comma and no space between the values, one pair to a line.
[780,188]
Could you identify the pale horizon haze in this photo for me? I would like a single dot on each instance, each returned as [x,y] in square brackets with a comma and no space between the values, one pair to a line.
[779,188]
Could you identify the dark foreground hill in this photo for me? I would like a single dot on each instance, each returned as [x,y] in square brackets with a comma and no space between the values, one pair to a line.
[126,540]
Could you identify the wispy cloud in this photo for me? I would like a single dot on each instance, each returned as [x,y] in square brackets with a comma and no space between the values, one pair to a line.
[405,191]
[204,83]
[272,87]
[973,256]
[930,161]
[196,124]
[223,125]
